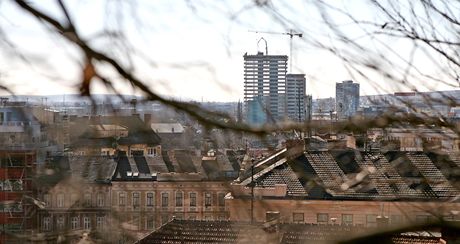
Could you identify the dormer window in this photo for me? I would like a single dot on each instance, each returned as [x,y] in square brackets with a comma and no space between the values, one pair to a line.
[151,151]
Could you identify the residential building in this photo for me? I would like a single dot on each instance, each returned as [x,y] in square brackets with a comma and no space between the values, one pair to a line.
[347,187]
[295,96]
[75,199]
[346,99]
[265,88]
[149,192]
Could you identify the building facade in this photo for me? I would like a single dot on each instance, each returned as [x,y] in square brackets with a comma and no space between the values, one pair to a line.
[295,96]
[346,99]
[265,88]
[143,206]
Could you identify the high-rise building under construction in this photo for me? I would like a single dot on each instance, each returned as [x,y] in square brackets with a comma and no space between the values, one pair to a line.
[265,88]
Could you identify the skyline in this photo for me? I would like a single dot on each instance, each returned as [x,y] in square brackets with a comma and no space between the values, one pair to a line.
[204,49]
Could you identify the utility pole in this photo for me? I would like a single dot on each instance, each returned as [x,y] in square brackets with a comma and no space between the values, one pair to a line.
[252,191]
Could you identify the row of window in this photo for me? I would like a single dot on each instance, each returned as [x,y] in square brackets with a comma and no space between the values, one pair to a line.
[347,219]
[60,201]
[85,222]
[74,200]
[75,223]
[165,199]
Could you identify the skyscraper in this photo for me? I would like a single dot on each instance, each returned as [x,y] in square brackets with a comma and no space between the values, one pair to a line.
[295,96]
[346,99]
[264,88]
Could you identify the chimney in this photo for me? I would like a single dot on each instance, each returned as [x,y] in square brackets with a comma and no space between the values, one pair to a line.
[148,119]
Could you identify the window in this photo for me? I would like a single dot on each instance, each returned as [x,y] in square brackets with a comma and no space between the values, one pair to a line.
[47,199]
[121,199]
[75,223]
[298,217]
[347,219]
[192,217]
[74,199]
[86,223]
[371,220]
[60,222]
[272,215]
[150,223]
[100,222]
[221,199]
[151,151]
[179,199]
[207,199]
[136,197]
[192,199]
[149,199]
[60,200]
[87,199]
[47,223]
[164,199]
[100,200]
[322,218]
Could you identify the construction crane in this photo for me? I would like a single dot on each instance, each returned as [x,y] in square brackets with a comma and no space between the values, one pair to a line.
[291,34]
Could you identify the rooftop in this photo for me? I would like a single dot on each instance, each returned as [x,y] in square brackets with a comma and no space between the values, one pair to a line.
[360,175]
[193,231]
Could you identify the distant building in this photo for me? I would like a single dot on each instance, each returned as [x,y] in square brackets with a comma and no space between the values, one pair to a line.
[264,88]
[346,99]
[308,107]
[295,96]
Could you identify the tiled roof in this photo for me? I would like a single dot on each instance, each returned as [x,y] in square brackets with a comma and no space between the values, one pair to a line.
[387,181]
[329,173]
[283,175]
[416,239]
[138,132]
[352,174]
[92,168]
[193,231]
[433,176]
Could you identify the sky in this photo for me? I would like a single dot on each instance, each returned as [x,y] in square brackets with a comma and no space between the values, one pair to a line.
[187,51]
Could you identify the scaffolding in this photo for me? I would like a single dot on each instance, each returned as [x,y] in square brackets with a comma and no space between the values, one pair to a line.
[17,212]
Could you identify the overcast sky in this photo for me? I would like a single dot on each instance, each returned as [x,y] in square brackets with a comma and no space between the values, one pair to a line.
[194,51]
